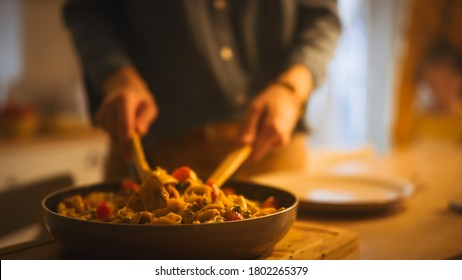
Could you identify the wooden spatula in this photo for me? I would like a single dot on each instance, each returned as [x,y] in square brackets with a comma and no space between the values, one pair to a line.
[142,167]
[230,164]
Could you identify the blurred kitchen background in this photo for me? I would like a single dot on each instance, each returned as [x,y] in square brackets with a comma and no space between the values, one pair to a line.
[369,104]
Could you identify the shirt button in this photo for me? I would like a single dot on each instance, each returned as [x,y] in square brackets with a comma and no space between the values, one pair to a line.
[220,5]
[226,53]
[240,98]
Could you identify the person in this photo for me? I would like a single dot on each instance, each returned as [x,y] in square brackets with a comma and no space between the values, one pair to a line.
[439,94]
[195,78]
[440,79]
[428,101]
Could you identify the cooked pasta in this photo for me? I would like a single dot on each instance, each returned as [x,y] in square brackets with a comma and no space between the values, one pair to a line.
[179,198]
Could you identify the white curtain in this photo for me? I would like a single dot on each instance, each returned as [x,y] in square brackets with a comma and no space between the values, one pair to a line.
[354,107]
[10,45]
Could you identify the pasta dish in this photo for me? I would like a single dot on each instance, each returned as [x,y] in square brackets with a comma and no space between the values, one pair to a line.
[162,198]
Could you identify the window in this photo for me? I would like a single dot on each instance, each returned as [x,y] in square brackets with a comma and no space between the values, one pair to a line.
[354,106]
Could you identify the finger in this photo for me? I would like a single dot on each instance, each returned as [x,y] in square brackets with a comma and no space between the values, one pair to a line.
[124,126]
[263,144]
[250,125]
[123,143]
[265,138]
[126,109]
[144,117]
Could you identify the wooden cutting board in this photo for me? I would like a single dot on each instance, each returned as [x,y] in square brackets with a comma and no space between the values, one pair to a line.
[309,241]
[304,241]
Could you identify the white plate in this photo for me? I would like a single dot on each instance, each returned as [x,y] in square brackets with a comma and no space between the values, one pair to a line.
[332,192]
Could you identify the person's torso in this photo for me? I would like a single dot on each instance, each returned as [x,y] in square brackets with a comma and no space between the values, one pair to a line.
[204,60]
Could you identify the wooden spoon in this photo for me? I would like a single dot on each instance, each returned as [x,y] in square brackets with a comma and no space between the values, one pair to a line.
[230,164]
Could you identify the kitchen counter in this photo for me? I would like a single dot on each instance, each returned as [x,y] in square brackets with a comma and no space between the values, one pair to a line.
[422,228]
[304,241]
[425,227]
[80,155]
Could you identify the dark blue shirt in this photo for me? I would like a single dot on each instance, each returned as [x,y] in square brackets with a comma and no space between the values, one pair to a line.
[202,59]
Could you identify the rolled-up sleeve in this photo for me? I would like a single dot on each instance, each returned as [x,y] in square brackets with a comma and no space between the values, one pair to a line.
[317,32]
[96,38]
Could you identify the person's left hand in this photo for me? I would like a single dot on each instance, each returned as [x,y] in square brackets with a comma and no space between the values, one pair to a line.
[270,120]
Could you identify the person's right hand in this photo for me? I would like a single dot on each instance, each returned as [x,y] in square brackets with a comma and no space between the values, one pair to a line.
[128,106]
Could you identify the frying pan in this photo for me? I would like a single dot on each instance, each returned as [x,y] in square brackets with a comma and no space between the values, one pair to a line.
[243,239]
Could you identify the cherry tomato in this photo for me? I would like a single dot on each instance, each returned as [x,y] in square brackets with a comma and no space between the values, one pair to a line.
[232,215]
[103,211]
[271,201]
[182,173]
[215,189]
[129,185]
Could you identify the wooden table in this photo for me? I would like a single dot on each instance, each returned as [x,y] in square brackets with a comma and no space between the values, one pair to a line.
[425,227]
